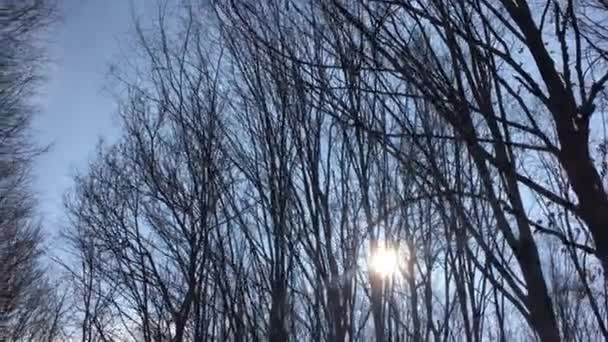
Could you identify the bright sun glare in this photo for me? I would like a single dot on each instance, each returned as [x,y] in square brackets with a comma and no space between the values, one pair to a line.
[383,261]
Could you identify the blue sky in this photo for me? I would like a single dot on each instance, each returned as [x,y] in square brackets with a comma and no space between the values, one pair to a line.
[75,106]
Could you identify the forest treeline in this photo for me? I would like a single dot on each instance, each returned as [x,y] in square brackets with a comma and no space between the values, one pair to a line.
[32,307]
[269,149]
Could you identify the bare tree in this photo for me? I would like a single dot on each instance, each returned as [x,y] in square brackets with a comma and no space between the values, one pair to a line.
[30,307]
[462,57]
[248,197]
[148,214]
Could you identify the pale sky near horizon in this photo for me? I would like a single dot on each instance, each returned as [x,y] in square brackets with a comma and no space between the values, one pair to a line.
[75,110]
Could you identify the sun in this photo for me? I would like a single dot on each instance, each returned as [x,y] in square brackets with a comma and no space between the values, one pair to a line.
[383,261]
